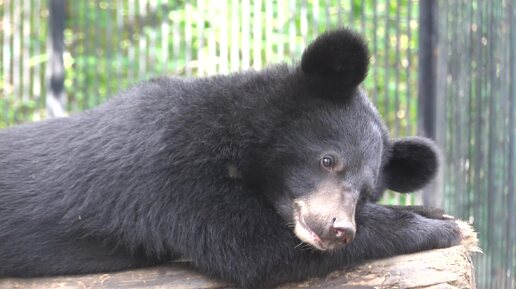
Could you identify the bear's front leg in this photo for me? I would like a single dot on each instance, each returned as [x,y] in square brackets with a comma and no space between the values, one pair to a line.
[251,246]
[384,231]
[428,212]
[245,242]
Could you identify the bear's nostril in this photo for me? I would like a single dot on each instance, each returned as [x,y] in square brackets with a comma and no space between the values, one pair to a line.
[344,231]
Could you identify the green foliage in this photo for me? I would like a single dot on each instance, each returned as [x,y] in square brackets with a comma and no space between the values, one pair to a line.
[112,44]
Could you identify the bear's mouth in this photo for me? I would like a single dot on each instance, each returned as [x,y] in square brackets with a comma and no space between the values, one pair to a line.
[304,232]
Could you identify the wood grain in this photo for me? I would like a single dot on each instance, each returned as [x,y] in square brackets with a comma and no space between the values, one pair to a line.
[444,269]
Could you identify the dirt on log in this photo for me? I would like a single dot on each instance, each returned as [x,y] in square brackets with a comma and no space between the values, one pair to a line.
[436,269]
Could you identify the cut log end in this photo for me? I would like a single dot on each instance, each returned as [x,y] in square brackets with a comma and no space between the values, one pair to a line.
[469,237]
[448,268]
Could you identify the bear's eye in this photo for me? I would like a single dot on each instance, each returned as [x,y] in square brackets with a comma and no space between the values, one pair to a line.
[328,162]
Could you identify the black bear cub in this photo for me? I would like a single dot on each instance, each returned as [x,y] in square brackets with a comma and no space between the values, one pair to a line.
[231,172]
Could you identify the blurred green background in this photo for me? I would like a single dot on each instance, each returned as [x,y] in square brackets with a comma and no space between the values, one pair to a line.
[112,44]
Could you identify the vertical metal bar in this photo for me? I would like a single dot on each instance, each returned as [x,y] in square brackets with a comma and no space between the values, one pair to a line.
[257,34]
[86,53]
[119,8]
[386,65]
[426,83]
[470,112]
[292,28]
[16,47]
[234,49]
[75,19]
[165,37]
[351,16]
[29,74]
[39,80]
[491,185]
[303,22]
[375,51]
[11,63]
[129,33]
[503,37]
[143,48]
[188,38]
[224,39]
[108,42]
[43,47]
[152,12]
[37,89]
[246,12]
[397,120]
[478,137]
[315,17]
[210,15]
[176,43]
[200,37]
[511,205]
[458,98]
[327,13]
[473,67]
[24,61]
[6,58]
[269,16]
[408,130]
[483,94]
[55,101]
[339,13]
[452,107]
[413,198]
[96,67]
[282,8]
[362,18]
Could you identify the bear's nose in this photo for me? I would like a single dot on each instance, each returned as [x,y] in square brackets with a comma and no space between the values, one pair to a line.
[344,231]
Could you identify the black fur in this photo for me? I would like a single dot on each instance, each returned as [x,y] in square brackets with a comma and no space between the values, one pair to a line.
[337,60]
[144,178]
[414,158]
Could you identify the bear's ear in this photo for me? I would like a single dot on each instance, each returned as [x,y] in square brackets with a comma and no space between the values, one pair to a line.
[413,162]
[338,56]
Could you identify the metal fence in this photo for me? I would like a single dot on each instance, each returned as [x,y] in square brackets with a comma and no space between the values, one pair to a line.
[465,50]
[476,101]
[109,45]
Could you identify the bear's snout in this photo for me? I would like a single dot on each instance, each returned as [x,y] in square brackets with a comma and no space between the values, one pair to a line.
[344,231]
[325,226]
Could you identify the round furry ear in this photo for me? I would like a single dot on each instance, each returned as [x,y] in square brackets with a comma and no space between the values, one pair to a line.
[339,56]
[413,162]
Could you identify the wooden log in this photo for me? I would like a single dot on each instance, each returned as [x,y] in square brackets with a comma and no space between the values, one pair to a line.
[448,268]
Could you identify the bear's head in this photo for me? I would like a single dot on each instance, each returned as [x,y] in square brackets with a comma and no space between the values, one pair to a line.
[332,153]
